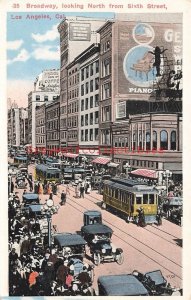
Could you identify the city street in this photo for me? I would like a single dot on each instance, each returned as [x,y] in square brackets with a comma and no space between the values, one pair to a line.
[145,248]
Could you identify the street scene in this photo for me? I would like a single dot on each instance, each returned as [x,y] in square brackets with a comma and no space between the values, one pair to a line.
[95,191]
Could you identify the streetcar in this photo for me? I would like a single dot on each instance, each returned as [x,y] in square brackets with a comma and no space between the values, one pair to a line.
[44,172]
[128,197]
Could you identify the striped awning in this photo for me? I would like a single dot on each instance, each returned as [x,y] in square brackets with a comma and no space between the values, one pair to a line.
[71,155]
[101,160]
[145,173]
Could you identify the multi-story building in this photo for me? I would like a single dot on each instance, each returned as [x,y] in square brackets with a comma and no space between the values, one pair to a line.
[137,57]
[52,116]
[23,126]
[41,128]
[89,101]
[46,89]
[13,127]
[76,34]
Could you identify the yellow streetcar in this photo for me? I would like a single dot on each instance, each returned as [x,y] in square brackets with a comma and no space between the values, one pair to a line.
[44,172]
[129,197]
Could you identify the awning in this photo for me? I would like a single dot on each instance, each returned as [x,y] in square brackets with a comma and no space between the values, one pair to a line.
[145,173]
[71,155]
[101,160]
[113,165]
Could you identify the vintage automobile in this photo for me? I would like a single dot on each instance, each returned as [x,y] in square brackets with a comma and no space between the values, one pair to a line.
[136,284]
[73,250]
[98,237]
[30,199]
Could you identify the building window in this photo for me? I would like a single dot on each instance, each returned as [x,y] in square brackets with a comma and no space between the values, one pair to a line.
[96,83]
[82,89]
[91,102]
[86,119]
[106,67]
[82,120]
[91,86]
[96,117]
[106,113]
[82,105]
[87,72]
[37,98]
[97,66]
[106,90]
[173,140]
[148,141]
[91,119]
[45,98]
[86,135]
[163,140]
[107,46]
[96,134]
[91,134]
[86,105]
[82,135]
[154,140]
[96,100]
[87,87]
[82,74]
[134,141]
[91,69]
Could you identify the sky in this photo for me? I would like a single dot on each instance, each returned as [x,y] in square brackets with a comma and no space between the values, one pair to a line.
[33,46]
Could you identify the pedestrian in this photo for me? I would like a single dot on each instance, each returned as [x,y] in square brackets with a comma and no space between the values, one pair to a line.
[30,185]
[12,187]
[81,191]
[159,217]
[51,196]
[63,198]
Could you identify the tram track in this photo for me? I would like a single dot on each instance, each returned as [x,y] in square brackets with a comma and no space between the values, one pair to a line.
[80,208]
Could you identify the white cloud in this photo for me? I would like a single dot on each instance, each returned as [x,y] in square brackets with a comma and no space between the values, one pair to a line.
[22,56]
[49,35]
[14,45]
[47,53]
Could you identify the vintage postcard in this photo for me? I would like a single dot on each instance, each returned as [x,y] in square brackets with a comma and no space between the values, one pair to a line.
[95,148]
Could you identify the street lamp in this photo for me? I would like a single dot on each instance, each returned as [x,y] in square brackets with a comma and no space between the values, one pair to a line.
[49,209]
[127,167]
[167,174]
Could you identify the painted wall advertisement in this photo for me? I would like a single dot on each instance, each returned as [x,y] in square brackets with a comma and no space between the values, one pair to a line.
[150,56]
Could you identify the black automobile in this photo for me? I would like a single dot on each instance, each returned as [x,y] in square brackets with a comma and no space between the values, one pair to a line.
[136,284]
[98,237]
[30,199]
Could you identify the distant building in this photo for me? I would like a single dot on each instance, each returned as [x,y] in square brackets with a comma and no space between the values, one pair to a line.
[46,89]
[41,128]
[52,116]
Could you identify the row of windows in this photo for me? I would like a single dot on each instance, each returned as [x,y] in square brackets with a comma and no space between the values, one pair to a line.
[52,136]
[40,140]
[144,163]
[164,143]
[45,98]
[73,94]
[90,119]
[72,135]
[72,122]
[90,135]
[90,86]
[53,113]
[63,135]
[106,46]
[40,129]
[73,79]
[39,121]
[90,70]
[91,102]
[53,124]
[73,107]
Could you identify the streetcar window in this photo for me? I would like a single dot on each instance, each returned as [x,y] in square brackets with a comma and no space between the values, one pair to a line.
[145,198]
[151,199]
[122,196]
[139,200]
[116,193]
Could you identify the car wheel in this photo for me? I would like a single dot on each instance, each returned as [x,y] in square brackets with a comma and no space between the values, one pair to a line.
[120,258]
[97,259]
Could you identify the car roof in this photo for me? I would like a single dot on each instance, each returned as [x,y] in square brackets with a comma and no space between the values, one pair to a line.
[96,229]
[30,196]
[35,207]
[122,285]
[92,213]
[69,239]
